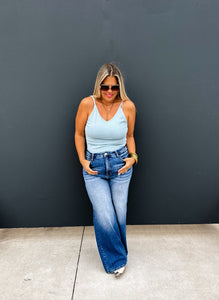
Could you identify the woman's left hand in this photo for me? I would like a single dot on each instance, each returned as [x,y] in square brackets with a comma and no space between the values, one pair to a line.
[129,161]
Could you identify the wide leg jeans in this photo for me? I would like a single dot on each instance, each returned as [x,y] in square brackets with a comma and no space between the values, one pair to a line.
[108,193]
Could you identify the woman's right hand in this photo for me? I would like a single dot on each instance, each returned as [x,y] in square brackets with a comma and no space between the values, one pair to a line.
[86,165]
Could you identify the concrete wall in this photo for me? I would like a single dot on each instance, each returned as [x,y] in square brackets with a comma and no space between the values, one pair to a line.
[50,53]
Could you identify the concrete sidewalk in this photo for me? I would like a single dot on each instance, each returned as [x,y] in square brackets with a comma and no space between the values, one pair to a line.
[170,262]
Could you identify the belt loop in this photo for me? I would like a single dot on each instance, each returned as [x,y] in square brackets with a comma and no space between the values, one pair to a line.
[117,155]
[92,156]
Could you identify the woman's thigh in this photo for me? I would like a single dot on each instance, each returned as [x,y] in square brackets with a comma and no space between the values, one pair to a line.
[99,193]
[119,186]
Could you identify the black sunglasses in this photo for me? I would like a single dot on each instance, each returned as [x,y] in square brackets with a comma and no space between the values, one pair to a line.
[105,87]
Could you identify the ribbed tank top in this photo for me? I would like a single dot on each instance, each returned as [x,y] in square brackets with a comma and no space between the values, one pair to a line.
[105,136]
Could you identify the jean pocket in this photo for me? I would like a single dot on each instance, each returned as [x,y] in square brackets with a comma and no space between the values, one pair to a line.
[124,155]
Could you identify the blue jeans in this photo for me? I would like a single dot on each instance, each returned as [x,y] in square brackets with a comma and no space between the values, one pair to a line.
[108,193]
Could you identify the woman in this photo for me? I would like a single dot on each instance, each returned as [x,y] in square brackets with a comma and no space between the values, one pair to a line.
[106,148]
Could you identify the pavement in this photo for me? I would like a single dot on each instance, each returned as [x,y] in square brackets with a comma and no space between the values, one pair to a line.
[165,262]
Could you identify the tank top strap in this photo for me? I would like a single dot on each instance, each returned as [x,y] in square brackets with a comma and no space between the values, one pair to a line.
[93,100]
[121,104]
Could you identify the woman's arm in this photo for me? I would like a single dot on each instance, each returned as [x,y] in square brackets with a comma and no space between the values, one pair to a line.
[80,122]
[130,141]
[130,113]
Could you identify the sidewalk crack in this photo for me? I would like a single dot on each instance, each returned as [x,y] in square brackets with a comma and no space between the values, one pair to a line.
[76,272]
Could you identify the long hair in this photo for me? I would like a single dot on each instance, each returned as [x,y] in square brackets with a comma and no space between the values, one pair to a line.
[110,70]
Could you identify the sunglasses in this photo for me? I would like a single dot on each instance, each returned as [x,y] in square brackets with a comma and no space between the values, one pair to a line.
[105,87]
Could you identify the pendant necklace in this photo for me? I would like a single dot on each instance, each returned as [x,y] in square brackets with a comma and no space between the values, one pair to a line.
[107,110]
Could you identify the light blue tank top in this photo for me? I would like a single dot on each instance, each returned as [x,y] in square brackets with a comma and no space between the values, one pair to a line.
[105,136]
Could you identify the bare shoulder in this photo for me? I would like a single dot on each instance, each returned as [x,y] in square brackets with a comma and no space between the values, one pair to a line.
[86,104]
[129,105]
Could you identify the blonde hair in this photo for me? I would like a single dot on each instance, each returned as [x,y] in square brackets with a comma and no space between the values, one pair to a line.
[110,70]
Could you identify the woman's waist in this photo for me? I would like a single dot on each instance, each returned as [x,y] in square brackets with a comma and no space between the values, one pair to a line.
[116,153]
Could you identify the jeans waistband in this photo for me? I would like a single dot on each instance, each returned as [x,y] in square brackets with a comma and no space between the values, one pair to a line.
[104,154]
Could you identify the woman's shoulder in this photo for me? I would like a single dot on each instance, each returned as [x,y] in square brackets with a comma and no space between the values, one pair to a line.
[128,105]
[87,103]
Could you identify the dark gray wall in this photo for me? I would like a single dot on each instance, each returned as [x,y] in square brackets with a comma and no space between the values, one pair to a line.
[50,53]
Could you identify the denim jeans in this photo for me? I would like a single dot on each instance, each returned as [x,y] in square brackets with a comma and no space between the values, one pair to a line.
[108,193]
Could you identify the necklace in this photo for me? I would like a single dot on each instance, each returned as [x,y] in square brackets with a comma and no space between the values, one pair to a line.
[107,110]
